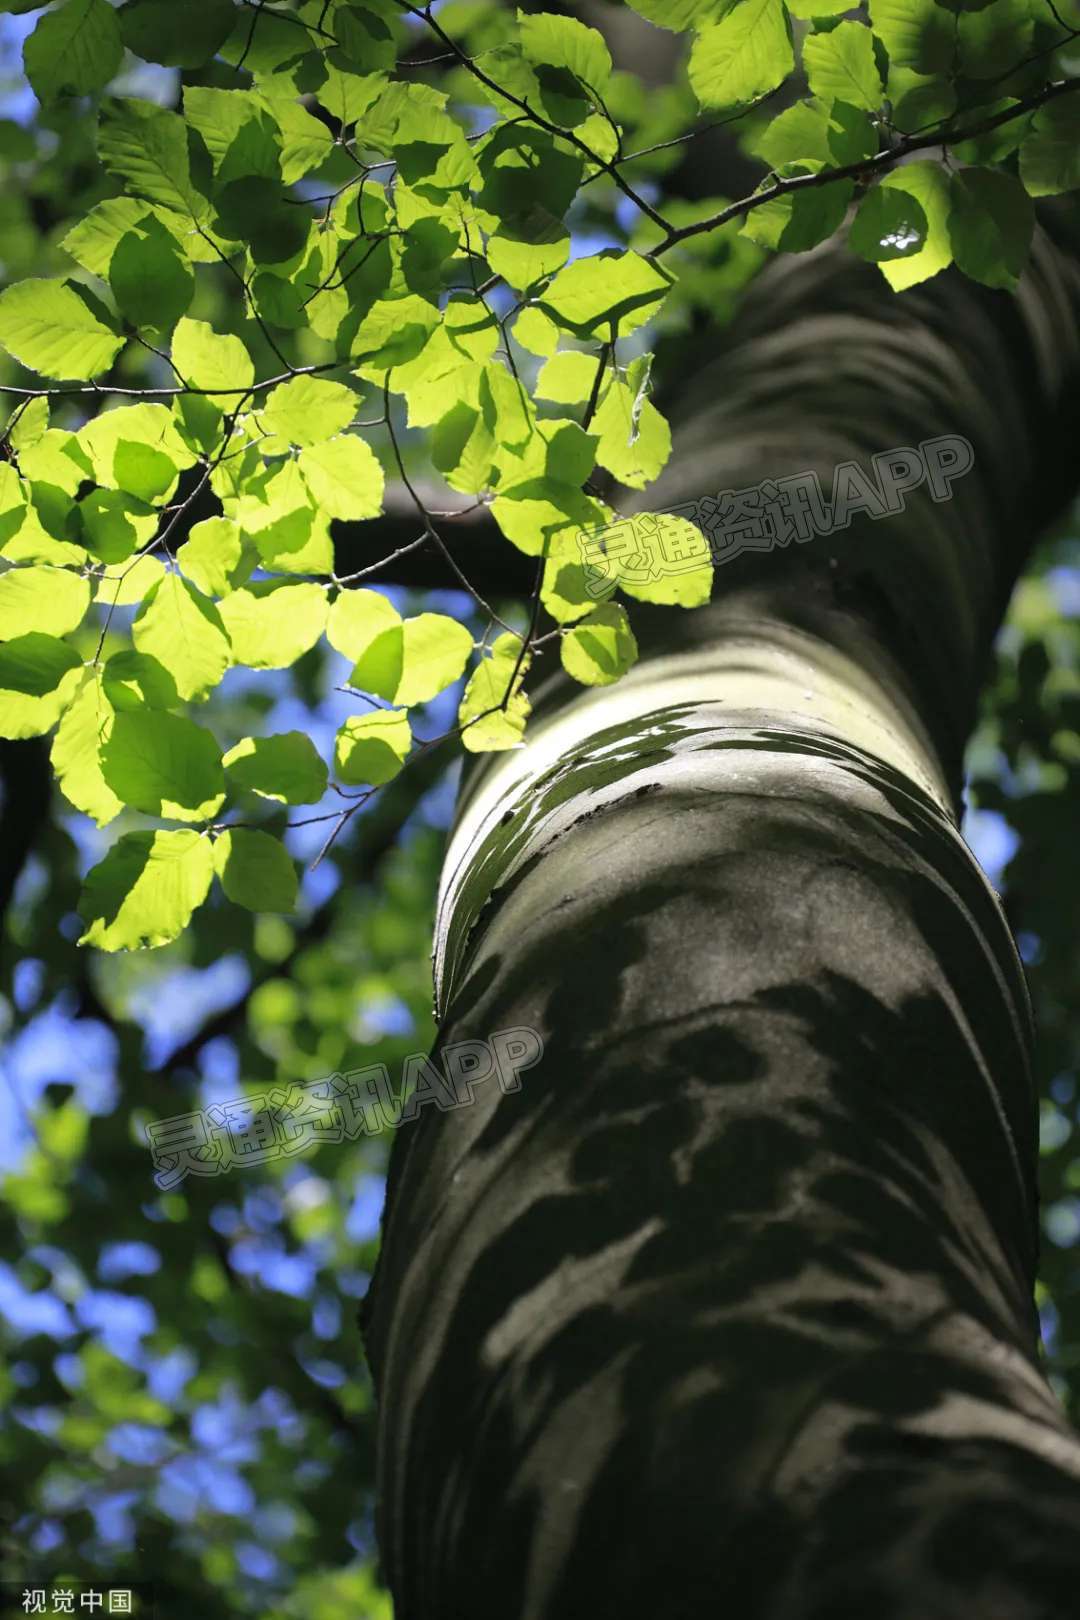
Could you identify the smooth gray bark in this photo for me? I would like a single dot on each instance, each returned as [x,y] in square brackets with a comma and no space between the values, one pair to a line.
[729,1309]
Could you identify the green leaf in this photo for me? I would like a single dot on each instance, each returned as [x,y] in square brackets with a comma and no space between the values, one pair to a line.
[129,582]
[210,556]
[356,618]
[393,331]
[135,680]
[144,892]
[371,748]
[798,220]
[151,281]
[146,147]
[601,648]
[567,378]
[919,100]
[840,66]
[253,209]
[306,142]
[744,55]
[29,425]
[890,224]
[57,328]
[306,411]
[74,50]
[929,185]
[998,143]
[808,9]
[344,477]
[176,33]
[93,240]
[536,332]
[238,132]
[286,767]
[211,360]
[57,460]
[256,870]
[412,662]
[463,444]
[272,623]
[529,183]
[916,33]
[1050,156]
[471,328]
[992,41]
[183,630]
[494,710]
[38,676]
[365,38]
[672,553]
[164,765]
[51,600]
[634,440]
[814,130]
[549,42]
[135,448]
[84,727]
[115,524]
[990,226]
[678,15]
[610,287]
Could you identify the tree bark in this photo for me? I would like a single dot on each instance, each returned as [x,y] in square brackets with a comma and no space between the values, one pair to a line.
[728,1310]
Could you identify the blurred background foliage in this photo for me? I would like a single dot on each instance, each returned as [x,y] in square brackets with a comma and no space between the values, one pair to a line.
[185,1398]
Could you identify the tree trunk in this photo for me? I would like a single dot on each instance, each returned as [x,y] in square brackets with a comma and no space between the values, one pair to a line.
[728,1309]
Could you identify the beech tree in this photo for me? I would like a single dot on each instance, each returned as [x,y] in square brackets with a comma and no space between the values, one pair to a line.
[724,1291]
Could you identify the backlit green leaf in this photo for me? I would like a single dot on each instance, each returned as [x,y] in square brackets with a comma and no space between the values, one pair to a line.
[211,360]
[412,662]
[144,892]
[135,680]
[536,332]
[38,677]
[494,710]
[146,148]
[600,648]
[677,14]
[840,66]
[58,329]
[306,411]
[356,618]
[371,748]
[610,287]
[890,224]
[164,765]
[929,185]
[286,767]
[256,870]
[183,630]
[344,477]
[176,33]
[990,226]
[743,55]
[272,623]
[151,281]
[74,50]
[84,727]
[1050,155]
[548,41]
[51,600]
[211,556]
